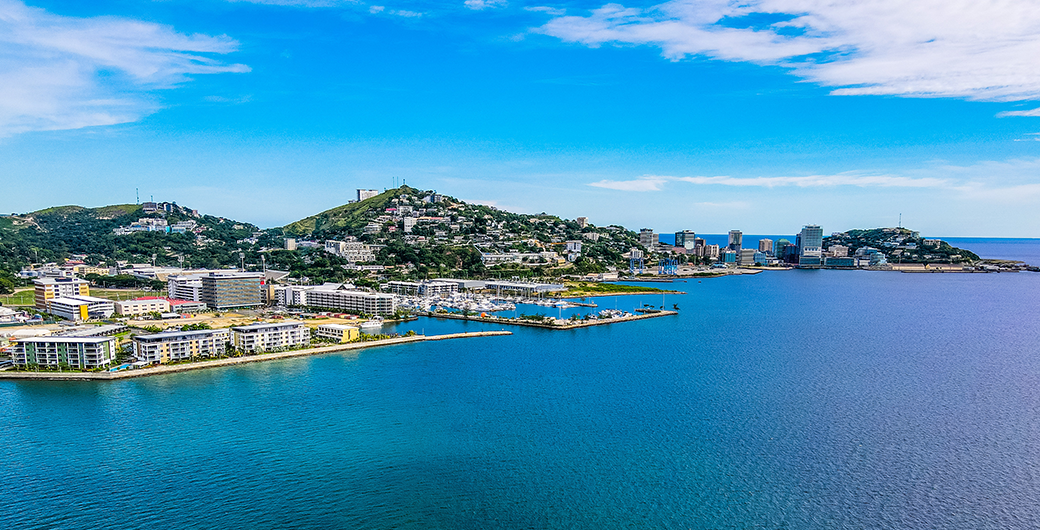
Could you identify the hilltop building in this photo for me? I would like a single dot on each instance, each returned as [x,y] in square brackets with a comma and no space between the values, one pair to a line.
[647,238]
[366,194]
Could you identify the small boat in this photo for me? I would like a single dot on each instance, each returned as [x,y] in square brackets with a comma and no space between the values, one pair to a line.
[375,323]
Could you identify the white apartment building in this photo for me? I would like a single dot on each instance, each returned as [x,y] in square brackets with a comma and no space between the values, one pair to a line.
[353,251]
[425,288]
[172,346]
[142,306]
[267,337]
[82,308]
[53,351]
[342,297]
[185,287]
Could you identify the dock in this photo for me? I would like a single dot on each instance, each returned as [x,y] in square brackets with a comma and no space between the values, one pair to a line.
[552,323]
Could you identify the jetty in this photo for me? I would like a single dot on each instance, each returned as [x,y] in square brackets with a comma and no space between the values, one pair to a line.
[234,361]
[552,323]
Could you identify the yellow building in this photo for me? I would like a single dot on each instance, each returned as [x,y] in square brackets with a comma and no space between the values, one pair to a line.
[338,332]
[48,289]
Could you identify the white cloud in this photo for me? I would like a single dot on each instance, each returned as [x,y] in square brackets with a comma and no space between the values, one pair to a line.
[67,73]
[554,11]
[376,9]
[485,4]
[1006,113]
[817,181]
[640,184]
[974,49]
[405,13]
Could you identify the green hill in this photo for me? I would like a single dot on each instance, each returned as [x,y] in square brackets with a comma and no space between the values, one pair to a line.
[348,219]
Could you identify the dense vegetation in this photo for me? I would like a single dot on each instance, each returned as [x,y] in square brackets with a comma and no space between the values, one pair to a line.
[901,245]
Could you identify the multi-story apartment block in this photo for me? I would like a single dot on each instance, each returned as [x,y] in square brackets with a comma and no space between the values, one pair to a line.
[267,337]
[48,289]
[172,346]
[335,296]
[84,353]
[366,194]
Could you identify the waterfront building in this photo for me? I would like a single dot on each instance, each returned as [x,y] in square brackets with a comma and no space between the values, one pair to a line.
[142,306]
[810,246]
[338,296]
[711,251]
[424,288]
[686,239]
[54,351]
[842,262]
[760,258]
[77,308]
[736,240]
[338,332]
[746,256]
[647,238]
[226,290]
[267,337]
[366,194]
[172,346]
[464,284]
[765,245]
[523,288]
[47,289]
[729,257]
[838,251]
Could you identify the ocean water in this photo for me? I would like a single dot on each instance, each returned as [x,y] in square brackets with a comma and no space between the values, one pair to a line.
[796,399]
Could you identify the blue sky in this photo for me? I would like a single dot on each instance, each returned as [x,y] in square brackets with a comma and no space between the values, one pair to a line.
[762,115]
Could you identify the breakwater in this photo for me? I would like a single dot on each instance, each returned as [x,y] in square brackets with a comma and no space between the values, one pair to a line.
[552,323]
[234,361]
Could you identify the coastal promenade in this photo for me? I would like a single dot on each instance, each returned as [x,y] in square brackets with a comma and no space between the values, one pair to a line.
[553,323]
[234,361]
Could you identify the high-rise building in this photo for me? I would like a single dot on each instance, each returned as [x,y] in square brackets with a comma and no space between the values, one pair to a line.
[582,222]
[736,240]
[765,245]
[224,290]
[685,239]
[647,238]
[290,243]
[810,246]
[366,194]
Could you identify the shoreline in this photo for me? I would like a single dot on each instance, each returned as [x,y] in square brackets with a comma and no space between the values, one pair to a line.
[235,361]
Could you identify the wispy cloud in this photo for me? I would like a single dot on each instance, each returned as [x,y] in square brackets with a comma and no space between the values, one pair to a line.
[554,11]
[1007,113]
[974,49]
[640,184]
[66,73]
[821,181]
[485,4]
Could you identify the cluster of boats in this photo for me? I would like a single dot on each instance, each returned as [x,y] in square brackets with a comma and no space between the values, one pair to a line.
[476,303]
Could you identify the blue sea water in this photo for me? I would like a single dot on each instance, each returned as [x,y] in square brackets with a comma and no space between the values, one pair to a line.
[795,399]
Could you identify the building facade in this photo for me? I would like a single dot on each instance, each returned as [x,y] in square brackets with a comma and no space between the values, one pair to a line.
[83,353]
[810,246]
[647,238]
[82,308]
[226,290]
[338,332]
[142,306]
[686,239]
[736,240]
[172,346]
[47,289]
[268,337]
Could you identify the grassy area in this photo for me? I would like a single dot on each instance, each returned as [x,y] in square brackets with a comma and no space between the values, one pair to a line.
[122,294]
[593,288]
[23,297]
